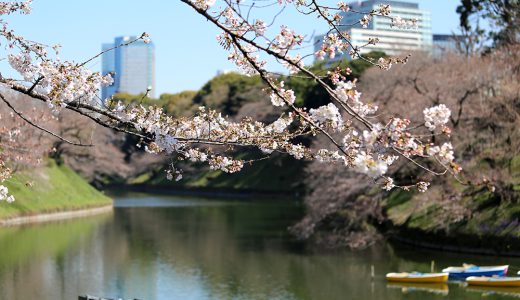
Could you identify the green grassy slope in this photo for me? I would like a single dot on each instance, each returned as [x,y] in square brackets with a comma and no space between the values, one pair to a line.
[49,188]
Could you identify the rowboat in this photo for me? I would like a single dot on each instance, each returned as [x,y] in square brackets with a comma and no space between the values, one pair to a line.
[472,270]
[417,277]
[493,281]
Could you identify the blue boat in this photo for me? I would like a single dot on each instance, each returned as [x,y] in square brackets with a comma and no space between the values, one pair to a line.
[472,270]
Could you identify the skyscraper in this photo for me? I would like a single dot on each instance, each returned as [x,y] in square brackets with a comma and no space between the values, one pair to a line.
[392,40]
[132,67]
[445,42]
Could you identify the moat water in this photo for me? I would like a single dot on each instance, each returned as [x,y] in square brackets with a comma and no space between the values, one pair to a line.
[169,247]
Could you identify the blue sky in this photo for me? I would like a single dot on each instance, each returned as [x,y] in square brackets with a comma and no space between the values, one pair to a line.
[187,54]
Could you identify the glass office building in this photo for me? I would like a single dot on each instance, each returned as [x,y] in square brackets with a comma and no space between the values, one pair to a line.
[443,43]
[392,40]
[132,67]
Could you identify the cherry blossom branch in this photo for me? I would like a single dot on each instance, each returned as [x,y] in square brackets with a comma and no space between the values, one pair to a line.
[283,58]
[66,85]
[266,79]
[144,36]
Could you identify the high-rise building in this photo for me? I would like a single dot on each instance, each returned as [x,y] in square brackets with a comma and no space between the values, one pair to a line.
[392,40]
[132,67]
[445,42]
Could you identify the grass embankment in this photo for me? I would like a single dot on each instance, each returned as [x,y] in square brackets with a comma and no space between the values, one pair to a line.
[49,188]
[486,216]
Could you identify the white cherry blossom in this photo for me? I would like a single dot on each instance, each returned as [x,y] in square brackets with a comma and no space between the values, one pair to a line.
[436,116]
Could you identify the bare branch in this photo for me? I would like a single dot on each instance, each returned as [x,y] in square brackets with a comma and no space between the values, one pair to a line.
[39,127]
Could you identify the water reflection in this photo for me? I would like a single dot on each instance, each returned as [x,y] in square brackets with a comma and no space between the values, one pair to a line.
[33,259]
[435,288]
[178,248]
[491,291]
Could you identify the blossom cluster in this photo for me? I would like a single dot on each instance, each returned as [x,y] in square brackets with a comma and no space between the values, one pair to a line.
[332,44]
[344,7]
[384,9]
[203,4]
[374,150]
[328,115]
[11,7]
[279,125]
[365,21]
[285,40]
[63,82]
[437,116]
[282,96]
[401,23]
[182,135]
[293,64]
[346,92]
[4,195]
[4,192]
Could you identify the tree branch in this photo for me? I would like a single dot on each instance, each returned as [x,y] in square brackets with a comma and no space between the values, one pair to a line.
[39,127]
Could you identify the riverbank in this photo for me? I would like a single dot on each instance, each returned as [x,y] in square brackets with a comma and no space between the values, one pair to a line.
[469,244]
[202,191]
[57,216]
[47,189]
[480,221]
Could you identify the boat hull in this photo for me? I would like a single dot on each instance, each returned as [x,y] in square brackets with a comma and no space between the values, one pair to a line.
[417,278]
[481,271]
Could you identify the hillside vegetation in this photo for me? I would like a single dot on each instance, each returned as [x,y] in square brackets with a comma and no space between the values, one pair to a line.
[49,188]
[483,203]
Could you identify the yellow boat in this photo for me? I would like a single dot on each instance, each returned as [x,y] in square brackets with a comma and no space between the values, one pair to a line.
[417,277]
[493,281]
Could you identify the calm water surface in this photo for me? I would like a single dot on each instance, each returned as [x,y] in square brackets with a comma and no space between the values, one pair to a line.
[157,247]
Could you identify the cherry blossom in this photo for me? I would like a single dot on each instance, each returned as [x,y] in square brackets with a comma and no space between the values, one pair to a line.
[343,6]
[279,125]
[11,7]
[327,115]
[422,186]
[372,165]
[365,21]
[404,23]
[332,44]
[436,116]
[203,4]
[388,184]
[287,96]
[371,143]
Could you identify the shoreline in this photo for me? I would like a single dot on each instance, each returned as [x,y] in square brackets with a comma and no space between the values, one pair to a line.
[462,243]
[56,216]
[201,192]
[452,248]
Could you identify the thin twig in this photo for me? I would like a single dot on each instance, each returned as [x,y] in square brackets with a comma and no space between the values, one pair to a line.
[39,127]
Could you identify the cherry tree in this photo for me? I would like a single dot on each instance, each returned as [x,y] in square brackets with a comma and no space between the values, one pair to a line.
[359,138]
